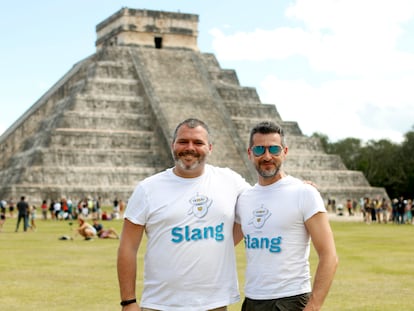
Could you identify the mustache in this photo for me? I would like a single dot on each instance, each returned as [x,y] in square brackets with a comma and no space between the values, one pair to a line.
[189,152]
[267,162]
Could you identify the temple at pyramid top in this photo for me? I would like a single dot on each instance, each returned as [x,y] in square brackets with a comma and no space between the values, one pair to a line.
[148,28]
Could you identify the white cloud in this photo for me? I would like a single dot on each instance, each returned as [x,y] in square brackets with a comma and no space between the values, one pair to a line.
[340,109]
[353,42]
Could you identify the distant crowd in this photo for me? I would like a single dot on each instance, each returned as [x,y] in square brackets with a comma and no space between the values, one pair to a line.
[61,209]
[375,210]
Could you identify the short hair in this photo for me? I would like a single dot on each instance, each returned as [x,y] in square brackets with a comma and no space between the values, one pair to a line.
[192,123]
[267,127]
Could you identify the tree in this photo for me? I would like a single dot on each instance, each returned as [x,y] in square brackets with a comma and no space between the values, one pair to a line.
[407,156]
[384,164]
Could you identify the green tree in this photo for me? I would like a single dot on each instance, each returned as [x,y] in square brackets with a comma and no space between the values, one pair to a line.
[378,163]
[407,156]
[384,164]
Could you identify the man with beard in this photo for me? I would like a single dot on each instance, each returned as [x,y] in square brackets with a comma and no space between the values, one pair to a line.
[187,214]
[278,218]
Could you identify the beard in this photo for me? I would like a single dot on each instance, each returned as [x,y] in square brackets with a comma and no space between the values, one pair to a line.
[178,158]
[268,173]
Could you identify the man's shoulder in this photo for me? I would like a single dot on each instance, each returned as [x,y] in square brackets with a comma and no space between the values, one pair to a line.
[221,170]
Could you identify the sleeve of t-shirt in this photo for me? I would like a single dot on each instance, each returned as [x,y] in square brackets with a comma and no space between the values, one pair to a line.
[137,207]
[312,201]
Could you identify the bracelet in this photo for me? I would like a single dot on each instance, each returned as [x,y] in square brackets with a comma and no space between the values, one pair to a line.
[128,302]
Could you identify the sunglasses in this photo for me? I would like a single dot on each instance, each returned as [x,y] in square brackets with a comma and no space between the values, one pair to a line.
[260,150]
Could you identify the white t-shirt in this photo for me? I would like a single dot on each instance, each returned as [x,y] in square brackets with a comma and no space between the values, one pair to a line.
[189,261]
[276,240]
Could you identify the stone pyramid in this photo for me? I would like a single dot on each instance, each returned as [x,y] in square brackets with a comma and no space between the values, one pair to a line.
[108,122]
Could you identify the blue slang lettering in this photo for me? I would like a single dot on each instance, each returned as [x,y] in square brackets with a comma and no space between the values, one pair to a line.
[180,234]
[272,244]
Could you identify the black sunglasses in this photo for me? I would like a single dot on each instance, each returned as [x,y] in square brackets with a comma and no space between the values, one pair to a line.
[260,150]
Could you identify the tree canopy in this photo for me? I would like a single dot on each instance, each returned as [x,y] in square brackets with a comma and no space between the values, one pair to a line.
[384,163]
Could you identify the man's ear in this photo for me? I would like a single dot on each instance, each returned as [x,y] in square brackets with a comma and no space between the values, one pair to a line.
[249,153]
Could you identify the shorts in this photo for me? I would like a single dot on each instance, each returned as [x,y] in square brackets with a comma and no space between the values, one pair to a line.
[104,234]
[293,303]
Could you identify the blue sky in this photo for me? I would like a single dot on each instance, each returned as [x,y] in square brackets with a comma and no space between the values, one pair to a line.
[344,68]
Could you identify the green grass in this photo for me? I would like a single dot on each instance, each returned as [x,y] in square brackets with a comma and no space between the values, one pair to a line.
[40,272]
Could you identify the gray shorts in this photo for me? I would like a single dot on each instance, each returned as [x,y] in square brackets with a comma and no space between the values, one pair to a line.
[293,303]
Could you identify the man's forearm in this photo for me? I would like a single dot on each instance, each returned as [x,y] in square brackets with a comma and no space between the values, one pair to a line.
[323,280]
[127,268]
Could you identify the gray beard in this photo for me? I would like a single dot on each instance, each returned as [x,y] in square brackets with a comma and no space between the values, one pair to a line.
[187,167]
[267,173]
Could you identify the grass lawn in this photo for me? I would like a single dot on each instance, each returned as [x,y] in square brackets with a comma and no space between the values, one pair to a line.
[40,272]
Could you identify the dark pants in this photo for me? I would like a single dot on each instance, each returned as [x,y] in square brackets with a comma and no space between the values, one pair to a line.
[294,303]
[25,221]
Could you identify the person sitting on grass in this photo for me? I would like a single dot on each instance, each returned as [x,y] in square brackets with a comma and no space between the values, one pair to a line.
[104,233]
[85,229]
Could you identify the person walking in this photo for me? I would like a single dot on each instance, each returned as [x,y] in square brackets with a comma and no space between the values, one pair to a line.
[23,213]
[278,218]
[187,214]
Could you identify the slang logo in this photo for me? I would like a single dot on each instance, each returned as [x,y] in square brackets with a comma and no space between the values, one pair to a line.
[199,205]
[260,215]
[199,208]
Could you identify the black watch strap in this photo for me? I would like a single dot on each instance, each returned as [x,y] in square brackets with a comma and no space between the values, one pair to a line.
[128,302]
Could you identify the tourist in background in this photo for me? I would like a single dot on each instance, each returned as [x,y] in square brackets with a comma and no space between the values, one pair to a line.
[23,213]
[11,207]
[44,208]
[32,216]
[85,229]
[3,205]
[103,233]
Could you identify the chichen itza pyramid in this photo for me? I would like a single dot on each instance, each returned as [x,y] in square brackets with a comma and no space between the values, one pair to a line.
[108,122]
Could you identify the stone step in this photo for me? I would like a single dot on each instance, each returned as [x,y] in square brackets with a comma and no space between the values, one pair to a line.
[224,77]
[122,87]
[110,103]
[82,157]
[101,139]
[106,121]
[327,178]
[242,95]
[321,161]
[114,69]
[304,144]
[251,110]
[99,175]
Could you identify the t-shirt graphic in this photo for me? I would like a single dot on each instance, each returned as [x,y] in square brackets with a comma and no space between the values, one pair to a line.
[199,205]
[260,215]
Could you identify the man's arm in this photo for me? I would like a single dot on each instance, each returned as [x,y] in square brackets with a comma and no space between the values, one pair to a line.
[127,261]
[237,233]
[322,238]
